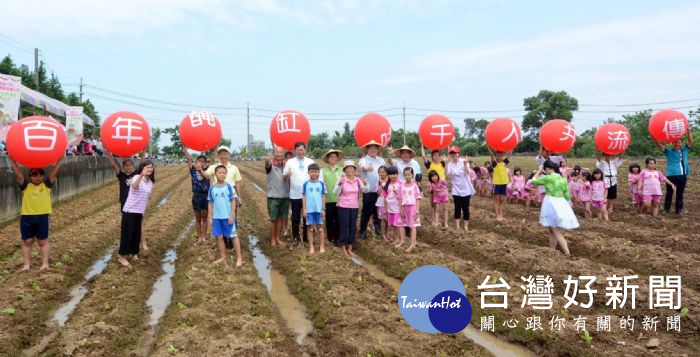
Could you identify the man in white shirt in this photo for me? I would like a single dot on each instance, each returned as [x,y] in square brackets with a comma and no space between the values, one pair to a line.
[406,155]
[369,165]
[545,155]
[609,166]
[296,171]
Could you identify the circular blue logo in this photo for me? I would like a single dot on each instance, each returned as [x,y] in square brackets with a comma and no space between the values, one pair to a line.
[432,299]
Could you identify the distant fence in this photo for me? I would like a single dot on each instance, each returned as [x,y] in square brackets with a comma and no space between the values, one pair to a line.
[76,175]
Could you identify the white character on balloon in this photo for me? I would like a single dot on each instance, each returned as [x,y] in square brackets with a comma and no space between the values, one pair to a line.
[513,132]
[442,133]
[37,135]
[674,128]
[283,123]
[198,119]
[569,134]
[122,124]
[618,140]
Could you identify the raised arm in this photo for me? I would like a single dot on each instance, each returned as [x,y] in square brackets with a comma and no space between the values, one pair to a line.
[390,156]
[18,172]
[187,157]
[54,170]
[422,153]
[597,155]
[690,138]
[493,156]
[114,164]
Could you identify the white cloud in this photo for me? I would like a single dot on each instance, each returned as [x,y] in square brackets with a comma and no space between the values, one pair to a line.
[122,17]
[641,52]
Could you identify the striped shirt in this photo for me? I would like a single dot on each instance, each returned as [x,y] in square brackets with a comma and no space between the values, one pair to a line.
[138,198]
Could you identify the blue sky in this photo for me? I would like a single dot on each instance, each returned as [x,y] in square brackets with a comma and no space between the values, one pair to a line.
[357,56]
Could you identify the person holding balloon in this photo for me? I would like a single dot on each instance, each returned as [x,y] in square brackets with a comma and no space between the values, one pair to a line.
[277,190]
[677,170]
[35,211]
[437,164]
[369,165]
[461,175]
[124,174]
[500,180]
[608,166]
[556,213]
[140,189]
[233,175]
[200,189]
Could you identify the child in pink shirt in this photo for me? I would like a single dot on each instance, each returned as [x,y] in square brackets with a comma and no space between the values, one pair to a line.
[599,193]
[381,210]
[574,186]
[633,180]
[438,189]
[518,185]
[410,197]
[584,193]
[531,192]
[392,203]
[650,186]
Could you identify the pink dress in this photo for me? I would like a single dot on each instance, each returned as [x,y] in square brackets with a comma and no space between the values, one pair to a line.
[410,194]
[598,193]
[392,204]
[533,193]
[584,192]
[381,210]
[439,191]
[633,179]
[575,188]
[651,185]
[518,183]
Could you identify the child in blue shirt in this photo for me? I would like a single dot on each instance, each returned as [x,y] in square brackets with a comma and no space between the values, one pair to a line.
[222,213]
[314,203]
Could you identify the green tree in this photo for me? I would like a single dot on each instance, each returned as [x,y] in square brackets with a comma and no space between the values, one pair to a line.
[153,146]
[475,129]
[174,150]
[546,105]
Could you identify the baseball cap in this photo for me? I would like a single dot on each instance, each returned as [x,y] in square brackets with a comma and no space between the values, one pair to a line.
[224,148]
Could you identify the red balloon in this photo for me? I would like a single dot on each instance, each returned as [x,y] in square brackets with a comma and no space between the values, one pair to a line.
[612,138]
[200,131]
[503,134]
[668,125]
[289,127]
[436,132]
[125,133]
[372,126]
[36,141]
[557,135]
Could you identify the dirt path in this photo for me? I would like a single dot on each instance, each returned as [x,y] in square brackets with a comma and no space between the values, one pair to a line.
[354,313]
[225,310]
[34,295]
[111,317]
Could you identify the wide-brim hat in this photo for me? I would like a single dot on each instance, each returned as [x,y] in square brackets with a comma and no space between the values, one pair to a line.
[332,151]
[406,148]
[349,163]
[372,142]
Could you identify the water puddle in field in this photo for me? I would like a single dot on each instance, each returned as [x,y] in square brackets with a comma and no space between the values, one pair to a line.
[290,308]
[162,294]
[486,340]
[164,200]
[64,312]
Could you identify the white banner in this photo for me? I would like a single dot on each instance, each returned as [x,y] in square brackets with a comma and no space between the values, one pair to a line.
[9,102]
[74,125]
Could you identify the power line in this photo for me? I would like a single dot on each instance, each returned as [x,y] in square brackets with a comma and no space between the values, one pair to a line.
[15,46]
[155,107]
[27,47]
[465,111]
[331,113]
[160,101]
[641,104]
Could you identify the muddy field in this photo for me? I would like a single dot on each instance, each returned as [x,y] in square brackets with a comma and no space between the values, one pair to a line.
[284,301]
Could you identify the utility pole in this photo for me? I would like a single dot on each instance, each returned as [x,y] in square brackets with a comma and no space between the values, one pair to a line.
[404,123]
[81,90]
[36,68]
[247,114]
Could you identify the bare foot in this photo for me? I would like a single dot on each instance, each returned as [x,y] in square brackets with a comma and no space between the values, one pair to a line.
[447,226]
[136,257]
[352,254]
[410,249]
[218,261]
[239,262]
[25,268]
[345,252]
[124,262]
[312,251]
[322,250]
[145,247]
[44,267]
